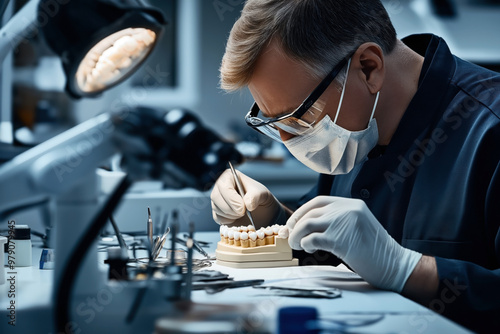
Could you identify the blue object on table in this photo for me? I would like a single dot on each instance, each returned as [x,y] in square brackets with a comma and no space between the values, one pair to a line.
[293,320]
[47,259]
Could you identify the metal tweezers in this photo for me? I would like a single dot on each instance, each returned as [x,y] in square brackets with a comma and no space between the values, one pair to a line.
[304,293]
[196,245]
[218,286]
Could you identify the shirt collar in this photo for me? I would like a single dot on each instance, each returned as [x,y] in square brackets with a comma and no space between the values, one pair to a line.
[437,70]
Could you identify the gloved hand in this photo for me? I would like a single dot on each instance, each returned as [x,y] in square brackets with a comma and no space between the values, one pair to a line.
[228,207]
[348,229]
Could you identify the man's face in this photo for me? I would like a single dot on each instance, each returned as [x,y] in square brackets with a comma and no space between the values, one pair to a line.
[279,85]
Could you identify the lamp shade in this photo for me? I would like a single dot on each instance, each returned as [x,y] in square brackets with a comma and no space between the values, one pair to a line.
[100,42]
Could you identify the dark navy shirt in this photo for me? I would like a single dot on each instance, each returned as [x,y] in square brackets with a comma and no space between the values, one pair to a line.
[436,186]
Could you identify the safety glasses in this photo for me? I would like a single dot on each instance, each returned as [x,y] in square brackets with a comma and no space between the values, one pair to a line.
[302,118]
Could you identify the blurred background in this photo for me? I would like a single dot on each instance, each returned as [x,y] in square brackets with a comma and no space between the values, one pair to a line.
[183,72]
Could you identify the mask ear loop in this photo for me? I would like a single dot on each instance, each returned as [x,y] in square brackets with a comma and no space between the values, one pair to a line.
[374,106]
[343,91]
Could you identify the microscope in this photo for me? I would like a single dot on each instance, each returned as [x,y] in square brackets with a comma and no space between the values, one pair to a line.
[172,146]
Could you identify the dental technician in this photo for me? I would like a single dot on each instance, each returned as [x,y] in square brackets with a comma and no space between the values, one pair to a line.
[405,136]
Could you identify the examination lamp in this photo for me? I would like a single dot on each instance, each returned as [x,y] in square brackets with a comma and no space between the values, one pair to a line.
[100,42]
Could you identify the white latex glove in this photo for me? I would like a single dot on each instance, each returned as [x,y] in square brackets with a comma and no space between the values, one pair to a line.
[347,228]
[228,207]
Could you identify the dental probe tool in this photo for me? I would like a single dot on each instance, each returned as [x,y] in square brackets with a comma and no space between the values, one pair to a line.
[173,228]
[189,275]
[240,191]
[199,249]
[150,230]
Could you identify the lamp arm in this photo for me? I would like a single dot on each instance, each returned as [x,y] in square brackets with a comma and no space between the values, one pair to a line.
[21,26]
[57,165]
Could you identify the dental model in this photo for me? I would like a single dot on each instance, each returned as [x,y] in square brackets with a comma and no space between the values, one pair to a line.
[230,236]
[269,235]
[247,236]
[261,235]
[237,241]
[244,239]
[244,247]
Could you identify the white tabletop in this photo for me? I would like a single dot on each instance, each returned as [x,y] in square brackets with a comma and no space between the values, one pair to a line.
[400,315]
[359,299]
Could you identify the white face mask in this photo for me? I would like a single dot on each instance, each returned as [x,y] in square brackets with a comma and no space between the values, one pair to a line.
[328,148]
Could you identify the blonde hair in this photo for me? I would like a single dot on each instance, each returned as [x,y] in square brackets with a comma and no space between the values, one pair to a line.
[316,33]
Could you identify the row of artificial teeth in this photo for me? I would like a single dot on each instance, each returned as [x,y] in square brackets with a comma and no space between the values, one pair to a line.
[236,233]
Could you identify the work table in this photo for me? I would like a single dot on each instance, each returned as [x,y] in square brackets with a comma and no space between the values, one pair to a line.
[359,300]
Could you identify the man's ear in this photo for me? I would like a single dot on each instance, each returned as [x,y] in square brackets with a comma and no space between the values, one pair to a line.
[369,57]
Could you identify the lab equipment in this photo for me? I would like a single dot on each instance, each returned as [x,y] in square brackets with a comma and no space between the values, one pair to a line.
[241,191]
[174,232]
[189,264]
[179,255]
[166,137]
[100,44]
[180,276]
[302,292]
[171,280]
[196,244]
[105,43]
[200,249]
[344,323]
[213,319]
[150,233]
[201,243]
[61,172]
[294,320]
[209,275]
[117,262]
[47,259]
[159,243]
[55,171]
[119,237]
[163,226]
[20,246]
[218,286]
